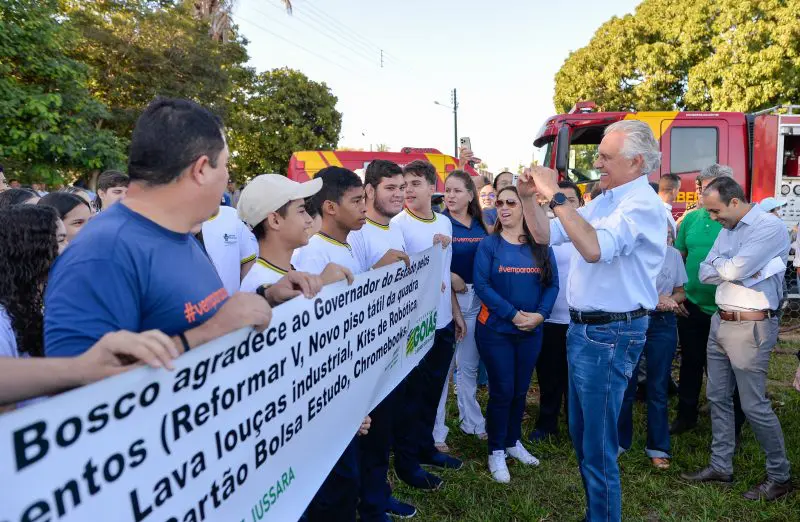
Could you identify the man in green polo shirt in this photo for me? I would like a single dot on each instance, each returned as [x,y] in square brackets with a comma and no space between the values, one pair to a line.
[696,236]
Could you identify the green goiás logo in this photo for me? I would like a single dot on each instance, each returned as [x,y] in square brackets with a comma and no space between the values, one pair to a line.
[421,333]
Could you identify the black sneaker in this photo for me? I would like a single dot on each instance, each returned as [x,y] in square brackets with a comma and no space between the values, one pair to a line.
[420,479]
[442,460]
[399,509]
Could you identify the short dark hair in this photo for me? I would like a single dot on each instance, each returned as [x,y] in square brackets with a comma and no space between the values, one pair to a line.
[567,184]
[112,179]
[170,135]
[422,169]
[596,191]
[63,202]
[380,169]
[311,210]
[335,182]
[16,196]
[727,188]
[260,230]
[496,178]
[669,182]
[485,180]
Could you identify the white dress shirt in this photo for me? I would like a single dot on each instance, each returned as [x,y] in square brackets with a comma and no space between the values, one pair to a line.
[671,220]
[743,252]
[563,254]
[631,229]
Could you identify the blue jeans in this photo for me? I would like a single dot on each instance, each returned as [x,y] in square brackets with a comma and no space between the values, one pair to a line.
[659,350]
[601,359]
[509,360]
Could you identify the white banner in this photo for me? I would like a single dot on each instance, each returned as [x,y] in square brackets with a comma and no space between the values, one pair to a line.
[245,428]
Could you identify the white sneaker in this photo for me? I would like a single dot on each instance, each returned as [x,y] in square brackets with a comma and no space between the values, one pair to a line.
[498,468]
[521,454]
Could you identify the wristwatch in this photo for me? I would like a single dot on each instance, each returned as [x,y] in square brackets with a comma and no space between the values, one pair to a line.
[262,291]
[558,199]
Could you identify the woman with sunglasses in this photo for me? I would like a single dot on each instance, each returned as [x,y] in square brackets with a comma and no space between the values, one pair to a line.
[517,281]
[468,231]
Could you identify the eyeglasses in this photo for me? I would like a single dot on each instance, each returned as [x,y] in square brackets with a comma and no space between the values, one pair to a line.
[510,203]
[488,196]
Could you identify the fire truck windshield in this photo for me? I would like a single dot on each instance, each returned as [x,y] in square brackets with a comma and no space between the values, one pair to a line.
[581,162]
[584,143]
[541,155]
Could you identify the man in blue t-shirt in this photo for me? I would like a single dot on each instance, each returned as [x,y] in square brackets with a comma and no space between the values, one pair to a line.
[136,266]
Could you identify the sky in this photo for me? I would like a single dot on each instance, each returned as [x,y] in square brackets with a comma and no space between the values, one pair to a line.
[502,60]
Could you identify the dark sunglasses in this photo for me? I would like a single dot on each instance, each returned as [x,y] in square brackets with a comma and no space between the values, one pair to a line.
[510,203]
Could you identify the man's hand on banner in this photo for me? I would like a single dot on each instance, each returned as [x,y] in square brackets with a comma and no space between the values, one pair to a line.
[117,352]
[365,426]
[393,256]
[293,284]
[240,310]
[333,273]
[442,239]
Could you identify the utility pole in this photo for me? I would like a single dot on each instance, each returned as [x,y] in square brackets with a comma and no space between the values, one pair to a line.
[455,121]
[454,101]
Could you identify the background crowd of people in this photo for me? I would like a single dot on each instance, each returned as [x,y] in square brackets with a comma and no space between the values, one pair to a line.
[589,288]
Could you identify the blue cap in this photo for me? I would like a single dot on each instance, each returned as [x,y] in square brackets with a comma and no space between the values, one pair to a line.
[770,204]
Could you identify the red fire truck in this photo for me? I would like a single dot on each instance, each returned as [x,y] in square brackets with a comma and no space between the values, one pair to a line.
[304,165]
[761,147]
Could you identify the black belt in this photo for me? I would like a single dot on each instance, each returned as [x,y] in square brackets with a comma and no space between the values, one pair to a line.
[579,317]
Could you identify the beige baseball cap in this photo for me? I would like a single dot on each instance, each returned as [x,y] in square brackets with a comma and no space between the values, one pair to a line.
[269,192]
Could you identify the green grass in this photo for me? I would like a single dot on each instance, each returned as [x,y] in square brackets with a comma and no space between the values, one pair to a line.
[553,491]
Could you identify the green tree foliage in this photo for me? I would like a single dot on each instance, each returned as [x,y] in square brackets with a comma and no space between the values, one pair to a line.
[714,55]
[139,49]
[49,119]
[281,112]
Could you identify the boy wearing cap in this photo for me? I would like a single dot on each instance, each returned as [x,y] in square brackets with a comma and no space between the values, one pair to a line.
[273,206]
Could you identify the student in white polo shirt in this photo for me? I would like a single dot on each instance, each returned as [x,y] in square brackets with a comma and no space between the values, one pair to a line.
[273,206]
[341,204]
[414,443]
[230,245]
[379,243]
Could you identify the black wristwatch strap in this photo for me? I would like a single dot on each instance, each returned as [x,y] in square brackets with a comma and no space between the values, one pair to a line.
[262,291]
[184,342]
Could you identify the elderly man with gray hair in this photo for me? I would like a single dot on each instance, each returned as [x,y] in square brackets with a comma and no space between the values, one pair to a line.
[621,237]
